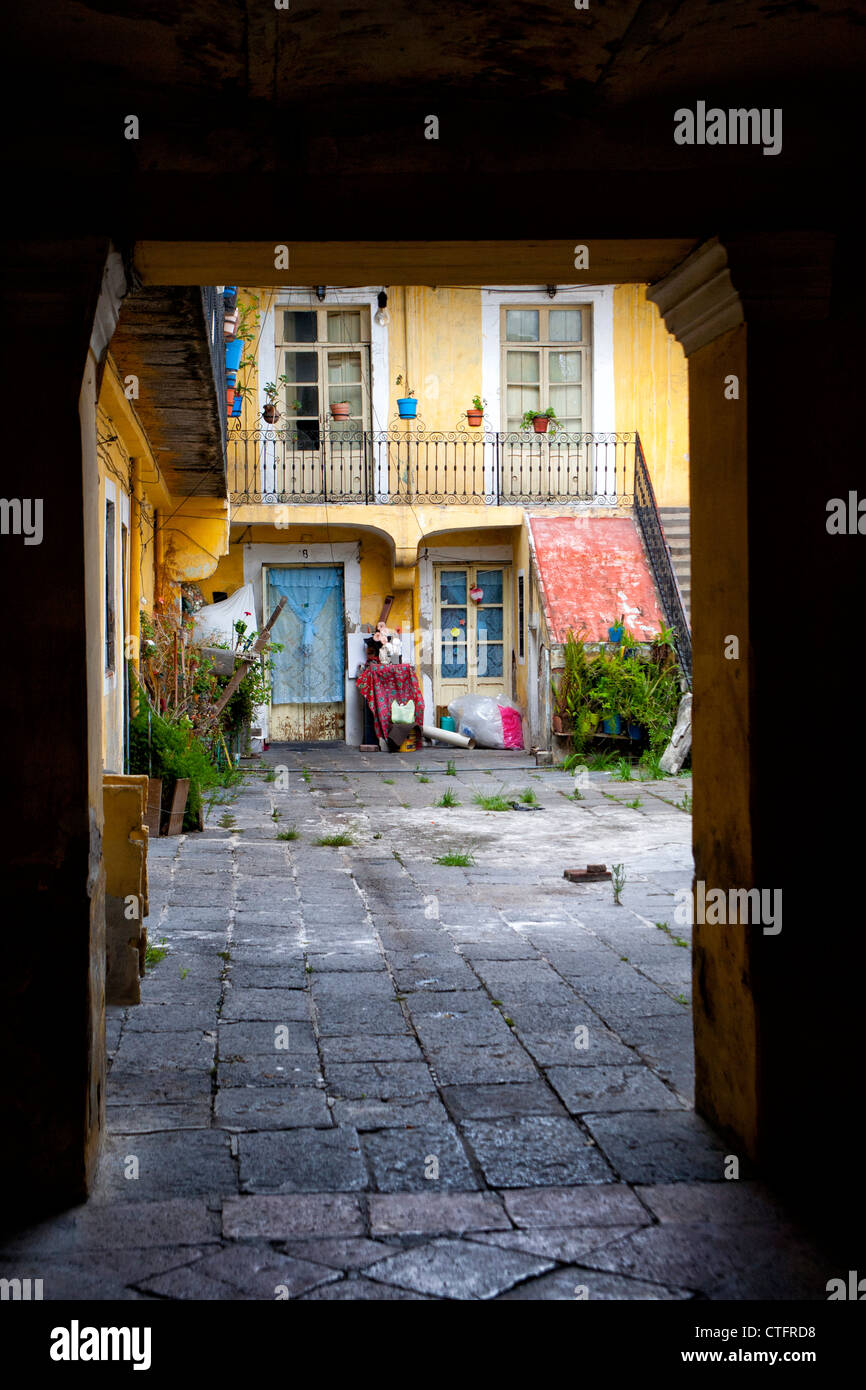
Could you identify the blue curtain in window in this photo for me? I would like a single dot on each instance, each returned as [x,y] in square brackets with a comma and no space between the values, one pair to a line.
[310,668]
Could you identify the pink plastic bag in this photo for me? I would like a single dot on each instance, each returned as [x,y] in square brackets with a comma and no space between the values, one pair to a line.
[512,727]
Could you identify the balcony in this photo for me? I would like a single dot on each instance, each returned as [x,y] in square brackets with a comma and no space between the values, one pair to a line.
[400,467]
[170,338]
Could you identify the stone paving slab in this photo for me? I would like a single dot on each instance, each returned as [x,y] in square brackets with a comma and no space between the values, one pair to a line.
[592,1090]
[668,1146]
[537,1150]
[291,1216]
[245,1108]
[178,1163]
[585,1284]
[305,1160]
[457,1269]
[417,1159]
[435,1213]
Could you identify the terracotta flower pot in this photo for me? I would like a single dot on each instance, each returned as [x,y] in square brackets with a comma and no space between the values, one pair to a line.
[540,424]
[270,414]
[340,410]
[474,417]
[230,396]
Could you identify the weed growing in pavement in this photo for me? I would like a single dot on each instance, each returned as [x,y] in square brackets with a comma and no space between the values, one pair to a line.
[291,834]
[225,955]
[154,954]
[448,798]
[686,803]
[528,797]
[450,768]
[275,815]
[458,859]
[226,821]
[389,781]
[496,802]
[422,778]
[601,762]
[681,999]
[634,804]
[305,773]
[342,837]
[622,772]
[677,940]
[270,775]
[618,881]
[649,766]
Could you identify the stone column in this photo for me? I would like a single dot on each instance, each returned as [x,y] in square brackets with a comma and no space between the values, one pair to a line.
[772,327]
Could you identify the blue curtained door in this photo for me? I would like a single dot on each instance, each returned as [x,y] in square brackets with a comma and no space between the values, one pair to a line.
[309,674]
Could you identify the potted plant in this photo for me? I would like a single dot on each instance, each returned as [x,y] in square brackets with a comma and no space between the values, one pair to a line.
[272,390]
[407,406]
[541,421]
[475,413]
[616,632]
[340,410]
[230,398]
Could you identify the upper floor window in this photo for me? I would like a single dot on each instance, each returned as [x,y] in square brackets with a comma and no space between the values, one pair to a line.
[325,356]
[546,361]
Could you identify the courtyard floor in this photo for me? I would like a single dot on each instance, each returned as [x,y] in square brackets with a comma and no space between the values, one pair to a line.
[357,1073]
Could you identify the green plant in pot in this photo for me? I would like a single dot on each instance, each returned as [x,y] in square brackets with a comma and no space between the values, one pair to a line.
[272,390]
[475,413]
[541,421]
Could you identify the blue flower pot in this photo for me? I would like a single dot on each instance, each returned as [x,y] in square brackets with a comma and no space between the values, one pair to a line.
[234,353]
[615,634]
[612,725]
[407,407]
[634,730]
[238,406]
[230,298]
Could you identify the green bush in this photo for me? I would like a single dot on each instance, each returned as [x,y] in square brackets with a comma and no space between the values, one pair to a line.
[170,751]
[593,688]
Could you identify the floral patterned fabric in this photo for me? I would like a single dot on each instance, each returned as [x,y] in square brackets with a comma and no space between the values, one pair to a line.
[380,685]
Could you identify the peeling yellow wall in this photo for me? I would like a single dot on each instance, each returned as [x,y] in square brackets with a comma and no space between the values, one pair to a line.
[435,339]
[652,391]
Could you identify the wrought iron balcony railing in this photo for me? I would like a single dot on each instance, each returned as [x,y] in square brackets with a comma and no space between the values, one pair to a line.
[658,550]
[327,464]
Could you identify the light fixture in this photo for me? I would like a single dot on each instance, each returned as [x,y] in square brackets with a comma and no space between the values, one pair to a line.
[551,291]
[320,292]
[382,317]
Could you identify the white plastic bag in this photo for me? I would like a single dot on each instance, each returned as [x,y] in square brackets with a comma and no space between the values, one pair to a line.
[481,717]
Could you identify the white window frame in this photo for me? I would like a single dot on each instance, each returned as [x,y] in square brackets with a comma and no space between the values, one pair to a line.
[599,298]
[360,297]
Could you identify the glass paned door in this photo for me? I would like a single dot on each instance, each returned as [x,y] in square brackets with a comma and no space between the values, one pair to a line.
[473,635]
[546,363]
[325,357]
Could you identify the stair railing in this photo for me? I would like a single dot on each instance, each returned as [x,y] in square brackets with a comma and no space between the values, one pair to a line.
[659,552]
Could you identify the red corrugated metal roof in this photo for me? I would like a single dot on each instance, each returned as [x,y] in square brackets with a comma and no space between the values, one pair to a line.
[593,569]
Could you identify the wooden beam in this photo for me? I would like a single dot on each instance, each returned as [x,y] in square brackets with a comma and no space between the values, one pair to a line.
[409,262]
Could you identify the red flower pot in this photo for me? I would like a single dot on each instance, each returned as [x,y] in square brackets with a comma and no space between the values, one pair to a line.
[474,417]
[540,424]
[230,396]
[340,411]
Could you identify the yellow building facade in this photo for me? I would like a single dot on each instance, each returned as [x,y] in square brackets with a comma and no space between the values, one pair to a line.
[150,541]
[425,510]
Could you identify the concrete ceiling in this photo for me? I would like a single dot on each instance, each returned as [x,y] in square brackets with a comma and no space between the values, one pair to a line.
[316,113]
